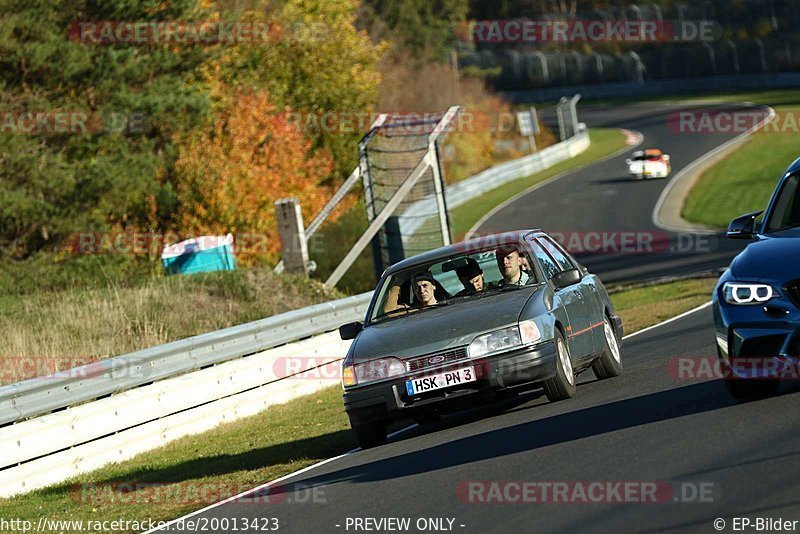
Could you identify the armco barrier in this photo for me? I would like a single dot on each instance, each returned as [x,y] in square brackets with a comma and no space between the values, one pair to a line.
[144,399]
[53,447]
[475,186]
[45,394]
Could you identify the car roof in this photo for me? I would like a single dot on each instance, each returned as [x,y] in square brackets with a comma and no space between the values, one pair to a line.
[653,152]
[463,247]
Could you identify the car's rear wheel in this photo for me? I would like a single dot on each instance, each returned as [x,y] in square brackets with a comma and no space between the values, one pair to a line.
[562,385]
[369,434]
[608,364]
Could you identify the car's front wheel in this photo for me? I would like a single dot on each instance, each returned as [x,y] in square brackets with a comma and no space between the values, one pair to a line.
[562,385]
[609,364]
[370,434]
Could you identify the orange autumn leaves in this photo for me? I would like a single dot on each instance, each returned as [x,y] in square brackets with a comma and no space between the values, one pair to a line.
[230,176]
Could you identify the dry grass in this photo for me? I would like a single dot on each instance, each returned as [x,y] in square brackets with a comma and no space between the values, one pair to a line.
[52,331]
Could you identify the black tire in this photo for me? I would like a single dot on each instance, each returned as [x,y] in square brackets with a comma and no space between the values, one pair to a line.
[562,385]
[369,435]
[609,363]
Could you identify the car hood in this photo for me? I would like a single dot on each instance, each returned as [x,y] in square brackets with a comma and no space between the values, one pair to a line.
[772,258]
[440,328]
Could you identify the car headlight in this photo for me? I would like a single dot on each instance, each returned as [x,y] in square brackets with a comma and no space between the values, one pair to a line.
[744,293]
[506,338]
[372,371]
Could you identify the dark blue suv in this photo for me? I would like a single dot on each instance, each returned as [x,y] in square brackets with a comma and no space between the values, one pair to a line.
[757,300]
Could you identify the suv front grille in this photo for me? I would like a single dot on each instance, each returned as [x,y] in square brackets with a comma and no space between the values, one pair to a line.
[793,290]
[440,358]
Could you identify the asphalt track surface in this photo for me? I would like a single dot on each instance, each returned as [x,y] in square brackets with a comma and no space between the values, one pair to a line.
[710,456]
[609,216]
[650,425]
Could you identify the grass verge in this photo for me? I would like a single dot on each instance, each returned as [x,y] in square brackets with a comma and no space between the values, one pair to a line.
[744,180]
[49,331]
[243,454]
[605,141]
[646,306]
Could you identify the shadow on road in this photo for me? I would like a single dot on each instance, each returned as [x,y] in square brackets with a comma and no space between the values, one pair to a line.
[554,430]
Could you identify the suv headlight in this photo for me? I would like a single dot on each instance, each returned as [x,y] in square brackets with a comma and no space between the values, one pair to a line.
[372,371]
[745,293]
[506,338]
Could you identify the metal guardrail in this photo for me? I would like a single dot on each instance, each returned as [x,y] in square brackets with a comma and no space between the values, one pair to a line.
[42,395]
[475,186]
[146,398]
[651,88]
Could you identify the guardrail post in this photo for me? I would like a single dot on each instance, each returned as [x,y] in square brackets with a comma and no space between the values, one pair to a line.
[294,248]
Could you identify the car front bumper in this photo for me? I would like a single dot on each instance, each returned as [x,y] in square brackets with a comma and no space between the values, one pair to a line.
[757,341]
[389,400]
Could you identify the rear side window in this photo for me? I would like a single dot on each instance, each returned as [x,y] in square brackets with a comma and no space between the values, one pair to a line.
[562,260]
[547,263]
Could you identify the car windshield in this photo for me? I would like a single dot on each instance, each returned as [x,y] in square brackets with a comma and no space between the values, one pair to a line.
[786,213]
[463,276]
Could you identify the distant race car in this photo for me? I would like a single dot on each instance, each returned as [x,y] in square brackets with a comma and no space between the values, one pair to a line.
[650,163]
[756,302]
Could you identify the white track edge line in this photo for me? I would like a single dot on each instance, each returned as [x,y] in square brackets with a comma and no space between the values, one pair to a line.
[690,168]
[639,140]
[671,319]
[348,453]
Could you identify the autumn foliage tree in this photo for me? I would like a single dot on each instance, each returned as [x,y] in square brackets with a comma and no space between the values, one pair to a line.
[229,176]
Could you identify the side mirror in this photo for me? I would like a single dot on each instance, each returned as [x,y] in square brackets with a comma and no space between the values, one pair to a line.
[743,227]
[350,330]
[628,162]
[566,278]
[666,157]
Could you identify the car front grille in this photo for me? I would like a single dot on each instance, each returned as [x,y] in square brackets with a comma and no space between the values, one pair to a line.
[793,290]
[439,359]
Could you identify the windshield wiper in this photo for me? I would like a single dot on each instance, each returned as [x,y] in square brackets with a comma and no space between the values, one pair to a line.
[395,311]
[406,311]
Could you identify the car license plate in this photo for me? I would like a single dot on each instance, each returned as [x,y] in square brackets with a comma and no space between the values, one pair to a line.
[442,380]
